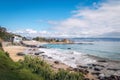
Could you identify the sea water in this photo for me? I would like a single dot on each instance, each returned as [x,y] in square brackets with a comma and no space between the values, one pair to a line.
[102,47]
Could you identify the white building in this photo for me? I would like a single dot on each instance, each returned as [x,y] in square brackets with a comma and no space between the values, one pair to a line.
[16,39]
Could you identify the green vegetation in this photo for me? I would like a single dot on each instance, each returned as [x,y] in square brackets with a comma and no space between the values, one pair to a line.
[41,68]
[6,36]
[52,40]
[32,68]
[10,70]
[42,39]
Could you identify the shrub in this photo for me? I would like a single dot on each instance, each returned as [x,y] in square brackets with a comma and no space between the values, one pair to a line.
[41,68]
[67,75]
[32,68]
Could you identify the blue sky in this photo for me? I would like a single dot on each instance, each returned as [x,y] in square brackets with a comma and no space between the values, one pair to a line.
[51,17]
[18,14]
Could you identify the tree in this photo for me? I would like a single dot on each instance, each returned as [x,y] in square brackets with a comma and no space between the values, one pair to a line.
[3,29]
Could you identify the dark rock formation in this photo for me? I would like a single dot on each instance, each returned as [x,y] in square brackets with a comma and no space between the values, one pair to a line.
[113,69]
[97,69]
[79,66]
[102,61]
[56,62]
[20,54]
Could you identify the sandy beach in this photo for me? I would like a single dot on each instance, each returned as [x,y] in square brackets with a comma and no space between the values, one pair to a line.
[13,50]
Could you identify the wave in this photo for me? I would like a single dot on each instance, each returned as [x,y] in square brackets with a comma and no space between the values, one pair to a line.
[71,58]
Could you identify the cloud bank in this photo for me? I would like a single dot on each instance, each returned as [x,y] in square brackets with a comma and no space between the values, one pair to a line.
[101,19]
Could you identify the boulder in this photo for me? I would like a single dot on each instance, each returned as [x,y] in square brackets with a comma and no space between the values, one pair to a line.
[56,62]
[79,66]
[101,61]
[97,69]
[113,69]
[68,48]
[20,54]
[96,73]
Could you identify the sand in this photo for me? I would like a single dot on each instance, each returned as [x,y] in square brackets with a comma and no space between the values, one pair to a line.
[33,42]
[13,50]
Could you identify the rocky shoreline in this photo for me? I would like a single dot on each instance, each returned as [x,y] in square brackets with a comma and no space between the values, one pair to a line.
[103,69]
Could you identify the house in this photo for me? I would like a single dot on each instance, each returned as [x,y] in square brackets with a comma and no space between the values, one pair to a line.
[16,39]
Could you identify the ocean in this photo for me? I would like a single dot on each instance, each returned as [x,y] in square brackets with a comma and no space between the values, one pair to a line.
[101,47]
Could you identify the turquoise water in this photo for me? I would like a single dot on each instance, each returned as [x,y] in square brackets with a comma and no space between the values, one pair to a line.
[104,49]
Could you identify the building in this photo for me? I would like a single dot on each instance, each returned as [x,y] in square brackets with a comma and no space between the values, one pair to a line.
[16,39]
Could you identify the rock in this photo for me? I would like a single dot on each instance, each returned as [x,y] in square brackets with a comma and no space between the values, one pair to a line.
[86,71]
[101,61]
[42,47]
[68,48]
[90,67]
[97,69]
[76,69]
[41,52]
[113,69]
[20,54]
[94,65]
[112,77]
[100,65]
[50,57]
[82,66]
[44,56]
[37,53]
[96,73]
[56,62]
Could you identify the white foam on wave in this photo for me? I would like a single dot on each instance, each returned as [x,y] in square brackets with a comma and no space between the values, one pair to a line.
[70,58]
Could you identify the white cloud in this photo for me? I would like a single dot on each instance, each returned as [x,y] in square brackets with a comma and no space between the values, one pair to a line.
[26,31]
[35,33]
[30,31]
[92,22]
[102,19]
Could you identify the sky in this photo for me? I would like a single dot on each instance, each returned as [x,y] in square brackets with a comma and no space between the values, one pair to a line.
[61,18]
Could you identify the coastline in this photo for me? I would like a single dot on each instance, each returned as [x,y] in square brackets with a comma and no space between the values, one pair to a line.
[100,67]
